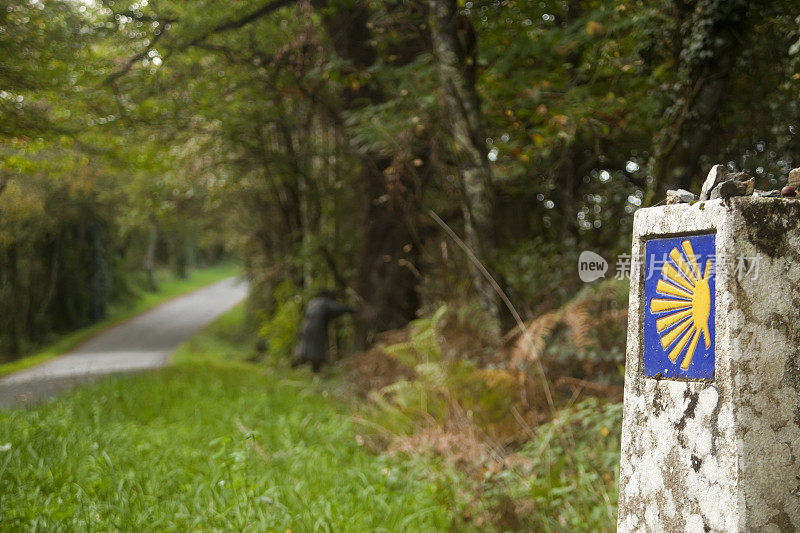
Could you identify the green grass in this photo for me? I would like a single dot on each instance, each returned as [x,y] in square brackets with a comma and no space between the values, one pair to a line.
[168,287]
[210,443]
[573,478]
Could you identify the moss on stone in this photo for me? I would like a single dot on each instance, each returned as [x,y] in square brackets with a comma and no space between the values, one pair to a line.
[767,221]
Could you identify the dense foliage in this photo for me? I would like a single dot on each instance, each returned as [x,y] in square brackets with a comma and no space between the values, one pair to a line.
[87,212]
[316,136]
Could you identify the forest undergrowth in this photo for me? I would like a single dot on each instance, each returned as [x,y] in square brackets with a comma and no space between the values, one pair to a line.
[532,423]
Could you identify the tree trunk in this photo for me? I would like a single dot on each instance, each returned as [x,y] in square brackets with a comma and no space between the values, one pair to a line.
[385,279]
[710,35]
[99,275]
[14,326]
[455,54]
[150,257]
[387,257]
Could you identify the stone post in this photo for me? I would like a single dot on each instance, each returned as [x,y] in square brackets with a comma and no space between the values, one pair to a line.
[711,424]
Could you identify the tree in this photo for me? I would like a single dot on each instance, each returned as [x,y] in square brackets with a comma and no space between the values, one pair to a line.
[455,54]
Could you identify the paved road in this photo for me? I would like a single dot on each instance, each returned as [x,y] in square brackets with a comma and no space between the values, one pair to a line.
[138,344]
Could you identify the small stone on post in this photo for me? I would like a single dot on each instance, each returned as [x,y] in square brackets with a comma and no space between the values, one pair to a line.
[794,179]
[681,196]
[716,175]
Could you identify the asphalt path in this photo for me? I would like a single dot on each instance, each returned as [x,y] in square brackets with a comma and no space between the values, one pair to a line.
[142,343]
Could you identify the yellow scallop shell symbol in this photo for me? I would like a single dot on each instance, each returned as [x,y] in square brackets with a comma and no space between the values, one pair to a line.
[685,304]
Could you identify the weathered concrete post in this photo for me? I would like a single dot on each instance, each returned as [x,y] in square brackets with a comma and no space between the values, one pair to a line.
[711,424]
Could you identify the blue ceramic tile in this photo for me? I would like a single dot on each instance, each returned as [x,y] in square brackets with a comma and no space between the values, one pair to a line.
[679,291]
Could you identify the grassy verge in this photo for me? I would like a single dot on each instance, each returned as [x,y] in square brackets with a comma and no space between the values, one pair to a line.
[169,287]
[212,442]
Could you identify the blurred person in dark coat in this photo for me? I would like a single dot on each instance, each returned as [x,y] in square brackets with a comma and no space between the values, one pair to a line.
[313,345]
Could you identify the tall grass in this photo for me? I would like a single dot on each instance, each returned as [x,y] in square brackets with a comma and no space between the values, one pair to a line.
[210,443]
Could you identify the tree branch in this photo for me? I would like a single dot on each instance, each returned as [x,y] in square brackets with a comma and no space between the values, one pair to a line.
[134,59]
[238,23]
[143,18]
[220,28]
